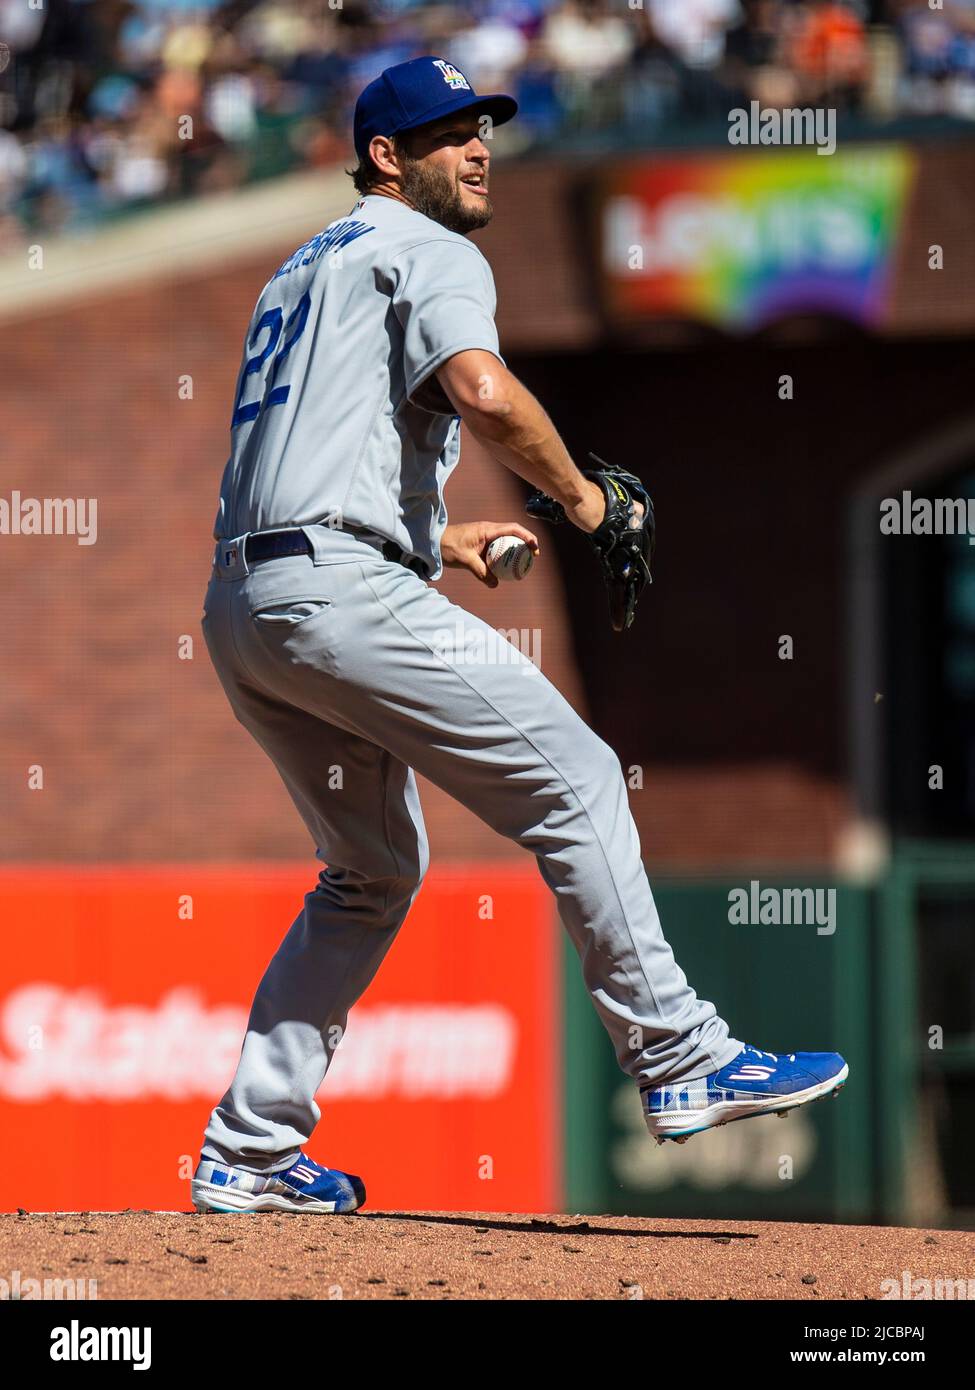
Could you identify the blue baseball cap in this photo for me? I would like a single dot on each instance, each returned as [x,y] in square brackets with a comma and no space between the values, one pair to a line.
[415,93]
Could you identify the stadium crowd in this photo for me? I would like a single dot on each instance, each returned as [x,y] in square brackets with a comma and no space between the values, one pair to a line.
[111,105]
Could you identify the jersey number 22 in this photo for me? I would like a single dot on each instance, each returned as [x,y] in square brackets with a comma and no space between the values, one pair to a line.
[271,322]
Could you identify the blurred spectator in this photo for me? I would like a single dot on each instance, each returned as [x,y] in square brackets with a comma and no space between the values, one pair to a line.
[586,38]
[13,167]
[829,53]
[754,67]
[585,41]
[939,65]
[488,52]
[655,91]
[110,105]
[694,29]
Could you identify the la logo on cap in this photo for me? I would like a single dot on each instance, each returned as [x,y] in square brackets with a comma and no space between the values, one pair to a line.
[455,80]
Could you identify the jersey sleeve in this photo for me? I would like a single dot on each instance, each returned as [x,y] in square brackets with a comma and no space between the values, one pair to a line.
[444,299]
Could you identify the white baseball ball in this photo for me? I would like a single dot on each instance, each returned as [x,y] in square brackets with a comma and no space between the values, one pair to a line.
[509,557]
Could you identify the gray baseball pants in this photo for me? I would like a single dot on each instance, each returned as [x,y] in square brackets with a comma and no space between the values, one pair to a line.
[346,661]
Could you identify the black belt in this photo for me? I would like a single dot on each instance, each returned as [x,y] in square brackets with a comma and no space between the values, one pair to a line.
[277,545]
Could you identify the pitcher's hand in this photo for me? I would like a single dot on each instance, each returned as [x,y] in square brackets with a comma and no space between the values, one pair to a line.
[464,546]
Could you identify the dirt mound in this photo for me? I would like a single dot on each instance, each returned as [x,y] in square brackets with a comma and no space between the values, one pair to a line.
[443,1255]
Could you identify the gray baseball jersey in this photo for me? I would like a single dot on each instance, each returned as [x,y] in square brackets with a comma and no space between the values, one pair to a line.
[338,416]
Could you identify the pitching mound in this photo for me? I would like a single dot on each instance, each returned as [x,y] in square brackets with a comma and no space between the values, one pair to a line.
[440,1255]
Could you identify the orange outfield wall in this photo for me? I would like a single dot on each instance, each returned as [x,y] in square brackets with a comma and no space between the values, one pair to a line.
[121,1018]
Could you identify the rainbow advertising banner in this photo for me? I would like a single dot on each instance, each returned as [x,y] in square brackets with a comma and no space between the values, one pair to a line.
[748,238]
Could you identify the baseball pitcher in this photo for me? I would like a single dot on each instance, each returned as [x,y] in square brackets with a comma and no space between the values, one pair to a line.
[366,350]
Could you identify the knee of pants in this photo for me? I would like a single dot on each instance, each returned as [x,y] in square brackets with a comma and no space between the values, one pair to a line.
[599,767]
[381,901]
[391,898]
[595,779]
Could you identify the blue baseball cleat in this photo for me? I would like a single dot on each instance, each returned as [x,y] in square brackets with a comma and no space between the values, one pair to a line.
[754,1083]
[305,1186]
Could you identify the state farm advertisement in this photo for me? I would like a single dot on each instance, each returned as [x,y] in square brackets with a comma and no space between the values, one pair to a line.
[124,1000]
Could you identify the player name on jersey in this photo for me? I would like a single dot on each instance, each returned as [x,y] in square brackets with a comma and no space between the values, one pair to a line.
[333,238]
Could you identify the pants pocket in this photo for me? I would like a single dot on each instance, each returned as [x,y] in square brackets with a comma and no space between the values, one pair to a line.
[290,612]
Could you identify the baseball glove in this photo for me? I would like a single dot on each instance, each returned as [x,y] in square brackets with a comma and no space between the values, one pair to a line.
[624,540]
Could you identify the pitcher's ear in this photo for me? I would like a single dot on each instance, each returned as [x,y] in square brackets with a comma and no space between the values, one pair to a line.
[384,154]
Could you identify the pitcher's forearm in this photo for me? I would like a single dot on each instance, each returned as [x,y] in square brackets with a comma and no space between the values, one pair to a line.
[506,418]
[521,435]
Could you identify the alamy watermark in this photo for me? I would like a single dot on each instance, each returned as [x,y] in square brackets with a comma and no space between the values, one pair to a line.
[908,515]
[792,125]
[49,516]
[788,907]
[20,1289]
[937,1288]
[77,1343]
[473,645]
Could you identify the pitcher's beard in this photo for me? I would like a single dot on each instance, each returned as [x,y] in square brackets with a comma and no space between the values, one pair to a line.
[436,195]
